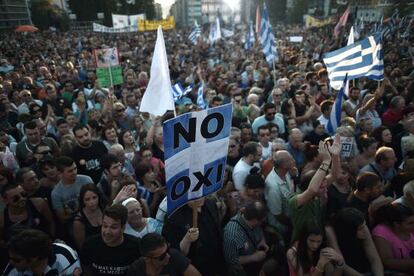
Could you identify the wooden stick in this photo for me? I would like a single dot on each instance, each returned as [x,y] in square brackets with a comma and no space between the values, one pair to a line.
[195,217]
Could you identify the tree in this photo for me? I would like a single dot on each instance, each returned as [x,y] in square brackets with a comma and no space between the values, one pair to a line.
[295,14]
[45,15]
[138,7]
[277,10]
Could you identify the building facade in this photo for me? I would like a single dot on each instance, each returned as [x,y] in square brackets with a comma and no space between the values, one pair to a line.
[13,13]
[186,12]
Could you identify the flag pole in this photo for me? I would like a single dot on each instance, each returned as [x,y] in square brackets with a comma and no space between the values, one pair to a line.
[195,217]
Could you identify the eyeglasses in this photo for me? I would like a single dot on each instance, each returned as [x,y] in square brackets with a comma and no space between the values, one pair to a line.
[162,256]
[17,197]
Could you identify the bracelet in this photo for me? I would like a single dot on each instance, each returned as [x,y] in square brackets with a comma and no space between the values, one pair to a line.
[326,171]
[320,270]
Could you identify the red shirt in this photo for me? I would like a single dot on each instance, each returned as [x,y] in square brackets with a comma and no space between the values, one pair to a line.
[391,117]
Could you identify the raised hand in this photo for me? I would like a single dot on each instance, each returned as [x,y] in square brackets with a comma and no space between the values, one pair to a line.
[335,148]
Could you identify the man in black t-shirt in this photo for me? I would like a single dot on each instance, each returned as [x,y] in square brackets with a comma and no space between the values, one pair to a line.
[368,188]
[87,153]
[159,259]
[111,252]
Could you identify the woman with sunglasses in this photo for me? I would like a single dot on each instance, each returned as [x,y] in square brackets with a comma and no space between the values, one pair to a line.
[159,259]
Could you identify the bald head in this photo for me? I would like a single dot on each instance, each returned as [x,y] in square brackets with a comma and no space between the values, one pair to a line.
[296,139]
[282,159]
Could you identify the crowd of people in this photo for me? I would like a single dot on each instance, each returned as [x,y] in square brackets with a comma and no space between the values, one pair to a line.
[82,174]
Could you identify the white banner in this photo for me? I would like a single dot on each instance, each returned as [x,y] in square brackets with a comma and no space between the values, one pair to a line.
[104,29]
[133,19]
[123,21]
[120,21]
[297,39]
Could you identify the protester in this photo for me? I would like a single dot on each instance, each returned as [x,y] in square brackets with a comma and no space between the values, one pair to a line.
[54,106]
[244,245]
[32,252]
[111,252]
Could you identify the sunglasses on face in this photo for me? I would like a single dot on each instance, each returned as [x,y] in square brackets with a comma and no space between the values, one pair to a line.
[17,197]
[162,256]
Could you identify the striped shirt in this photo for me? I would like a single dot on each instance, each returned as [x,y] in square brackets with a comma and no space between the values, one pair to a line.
[64,261]
[240,240]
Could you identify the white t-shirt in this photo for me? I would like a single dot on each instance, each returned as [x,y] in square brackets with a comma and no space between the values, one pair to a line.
[266,151]
[240,172]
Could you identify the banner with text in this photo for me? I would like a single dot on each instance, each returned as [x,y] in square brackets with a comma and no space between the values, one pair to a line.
[313,22]
[195,151]
[152,25]
[104,29]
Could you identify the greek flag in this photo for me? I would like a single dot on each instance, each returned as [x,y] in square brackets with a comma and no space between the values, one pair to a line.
[361,59]
[267,38]
[386,32]
[335,117]
[200,97]
[250,39]
[179,91]
[195,34]
[215,31]
[408,29]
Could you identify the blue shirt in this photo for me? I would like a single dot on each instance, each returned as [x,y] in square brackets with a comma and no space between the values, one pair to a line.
[298,155]
[260,121]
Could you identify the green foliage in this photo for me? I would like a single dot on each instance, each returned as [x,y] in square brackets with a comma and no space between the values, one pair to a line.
[108,7]
[45,15]
[295,14]
[277,10]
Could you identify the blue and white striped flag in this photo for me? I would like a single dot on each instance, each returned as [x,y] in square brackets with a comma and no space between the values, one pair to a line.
[215,31]
[179,91]
[408,29]
[195,34]
[335,117]
[361,59]
[267,38]
[250,39]
[200,97]
[386,32]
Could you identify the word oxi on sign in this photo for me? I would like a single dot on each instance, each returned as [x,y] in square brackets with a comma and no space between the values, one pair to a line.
[195,150]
